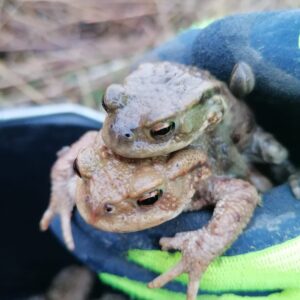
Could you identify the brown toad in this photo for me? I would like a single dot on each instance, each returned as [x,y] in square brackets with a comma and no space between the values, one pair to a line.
[119,194]
[163,107]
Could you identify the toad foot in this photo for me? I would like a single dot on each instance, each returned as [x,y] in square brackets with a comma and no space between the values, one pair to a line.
[193,262]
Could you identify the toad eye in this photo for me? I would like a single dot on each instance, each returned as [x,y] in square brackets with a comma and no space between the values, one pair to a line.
[150,198]
[75,168]
[162,130]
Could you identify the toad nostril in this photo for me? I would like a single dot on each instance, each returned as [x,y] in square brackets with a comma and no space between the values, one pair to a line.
[128,135]
[124,136]
[108,208]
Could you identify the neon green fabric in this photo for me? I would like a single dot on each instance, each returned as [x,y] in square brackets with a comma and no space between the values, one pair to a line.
[276,267]
[139,290]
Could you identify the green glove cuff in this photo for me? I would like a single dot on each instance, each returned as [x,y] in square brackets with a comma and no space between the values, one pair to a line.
[271,269]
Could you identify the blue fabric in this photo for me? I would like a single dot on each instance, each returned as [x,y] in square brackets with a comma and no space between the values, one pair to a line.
[269,42]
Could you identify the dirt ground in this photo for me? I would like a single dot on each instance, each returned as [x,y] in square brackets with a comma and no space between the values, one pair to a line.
[70,50]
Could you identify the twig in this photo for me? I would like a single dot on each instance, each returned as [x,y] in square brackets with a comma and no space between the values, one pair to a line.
[21,85]
[10,13]
[85,88]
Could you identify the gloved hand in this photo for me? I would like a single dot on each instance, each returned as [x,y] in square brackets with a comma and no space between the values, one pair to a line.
[264,263]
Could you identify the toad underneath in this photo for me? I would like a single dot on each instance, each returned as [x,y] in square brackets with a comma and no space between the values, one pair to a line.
[119,194]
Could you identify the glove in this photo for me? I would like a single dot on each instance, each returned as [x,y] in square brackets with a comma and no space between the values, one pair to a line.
[264,263]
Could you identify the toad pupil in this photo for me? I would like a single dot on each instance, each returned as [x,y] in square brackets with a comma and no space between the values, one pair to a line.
[163,130]
[151,198]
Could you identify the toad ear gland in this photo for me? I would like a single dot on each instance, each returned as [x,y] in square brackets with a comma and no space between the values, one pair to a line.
[217,110]
[242,80]
[215,117]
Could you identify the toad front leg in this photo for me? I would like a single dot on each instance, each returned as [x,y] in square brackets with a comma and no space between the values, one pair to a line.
[63,184]
[235,202]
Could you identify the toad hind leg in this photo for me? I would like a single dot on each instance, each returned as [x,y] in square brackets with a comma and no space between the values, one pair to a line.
[261,182]
[235,202]
[265,148]
[294,181]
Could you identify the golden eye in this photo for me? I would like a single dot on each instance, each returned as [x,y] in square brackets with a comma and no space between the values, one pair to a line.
[150,198]
[162,130]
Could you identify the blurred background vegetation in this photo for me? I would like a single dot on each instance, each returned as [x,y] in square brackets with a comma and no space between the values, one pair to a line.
[70,50]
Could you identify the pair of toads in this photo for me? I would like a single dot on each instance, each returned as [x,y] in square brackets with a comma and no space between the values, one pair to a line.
[175,139]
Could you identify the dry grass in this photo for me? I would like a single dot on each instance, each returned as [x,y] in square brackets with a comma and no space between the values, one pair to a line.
[57,49]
